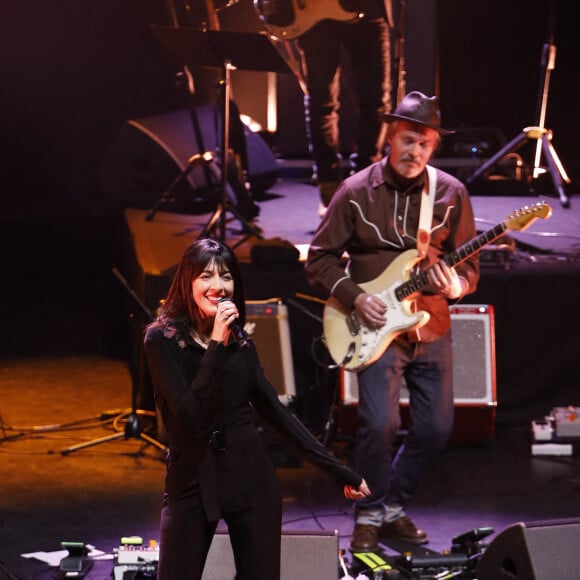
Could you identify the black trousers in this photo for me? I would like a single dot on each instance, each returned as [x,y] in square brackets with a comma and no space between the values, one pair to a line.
[254,531]
[367,45]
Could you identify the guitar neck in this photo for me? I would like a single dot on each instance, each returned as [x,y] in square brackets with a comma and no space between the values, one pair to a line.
[420,280]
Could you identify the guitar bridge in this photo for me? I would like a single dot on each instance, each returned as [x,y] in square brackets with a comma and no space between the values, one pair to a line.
[353,324]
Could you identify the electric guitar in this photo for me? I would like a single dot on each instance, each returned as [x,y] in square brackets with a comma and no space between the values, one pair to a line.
[288,19]
[354,346]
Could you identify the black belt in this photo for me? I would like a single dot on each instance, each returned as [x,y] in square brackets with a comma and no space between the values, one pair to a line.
[221,439]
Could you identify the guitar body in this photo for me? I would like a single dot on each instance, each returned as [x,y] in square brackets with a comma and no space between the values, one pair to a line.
[353,346]
[288,19]
[354,349]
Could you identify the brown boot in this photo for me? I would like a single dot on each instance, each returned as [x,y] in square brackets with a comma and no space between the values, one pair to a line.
[365,538]
[403,529]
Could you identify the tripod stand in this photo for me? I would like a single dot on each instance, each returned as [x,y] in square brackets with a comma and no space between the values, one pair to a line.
[538,133]
[226,51]
[133,426]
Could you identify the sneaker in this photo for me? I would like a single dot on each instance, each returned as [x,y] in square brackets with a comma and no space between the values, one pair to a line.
[403,529]
[365,538]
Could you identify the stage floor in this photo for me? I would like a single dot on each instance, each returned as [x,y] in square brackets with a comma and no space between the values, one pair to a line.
[101,493]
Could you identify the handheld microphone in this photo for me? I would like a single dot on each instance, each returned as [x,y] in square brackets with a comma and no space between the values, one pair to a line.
[238,332]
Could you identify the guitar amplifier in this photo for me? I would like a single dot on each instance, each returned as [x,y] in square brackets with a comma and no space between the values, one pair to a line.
[271,334]
[474,377]
[303,555]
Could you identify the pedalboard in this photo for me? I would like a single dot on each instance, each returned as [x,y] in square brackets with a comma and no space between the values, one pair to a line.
[556,433]
[567,421]
[133,557]
[137,554]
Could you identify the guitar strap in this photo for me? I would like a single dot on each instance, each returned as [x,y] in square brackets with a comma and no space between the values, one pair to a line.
[426,214]
[424,232]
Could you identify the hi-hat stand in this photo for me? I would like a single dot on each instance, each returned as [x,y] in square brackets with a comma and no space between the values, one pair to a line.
[539,132]
[133,426]
[226,51]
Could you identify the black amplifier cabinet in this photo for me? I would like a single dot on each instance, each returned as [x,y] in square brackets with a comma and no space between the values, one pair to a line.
[474,376]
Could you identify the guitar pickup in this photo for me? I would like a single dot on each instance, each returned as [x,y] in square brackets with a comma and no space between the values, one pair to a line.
[353,324]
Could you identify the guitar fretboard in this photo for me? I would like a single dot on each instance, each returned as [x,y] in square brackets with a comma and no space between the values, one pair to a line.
[420,280]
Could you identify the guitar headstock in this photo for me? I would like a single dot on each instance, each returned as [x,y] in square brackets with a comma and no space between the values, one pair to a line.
[525,216]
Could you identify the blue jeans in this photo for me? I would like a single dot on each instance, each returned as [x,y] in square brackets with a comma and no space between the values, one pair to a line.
[426,368]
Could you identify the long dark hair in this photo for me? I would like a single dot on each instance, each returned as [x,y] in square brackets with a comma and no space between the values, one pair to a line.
[179,304]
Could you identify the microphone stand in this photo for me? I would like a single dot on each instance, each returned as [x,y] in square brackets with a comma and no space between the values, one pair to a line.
[133,426]
[225,51]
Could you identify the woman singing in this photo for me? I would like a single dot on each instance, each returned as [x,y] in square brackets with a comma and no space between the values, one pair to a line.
[207,385]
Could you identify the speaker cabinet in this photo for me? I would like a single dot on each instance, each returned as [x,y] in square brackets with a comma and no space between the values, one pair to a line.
[149,153]
[304,555]
[272,338]
[474,384]
[540,551]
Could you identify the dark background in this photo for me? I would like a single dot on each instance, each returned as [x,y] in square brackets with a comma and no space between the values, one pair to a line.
[74,72]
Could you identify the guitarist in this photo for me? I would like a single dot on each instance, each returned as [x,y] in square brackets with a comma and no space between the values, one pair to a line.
[374,216]
[366,44]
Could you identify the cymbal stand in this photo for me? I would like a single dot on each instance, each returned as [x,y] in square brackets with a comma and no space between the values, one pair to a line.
[133,427]
[216,225]
[539,133]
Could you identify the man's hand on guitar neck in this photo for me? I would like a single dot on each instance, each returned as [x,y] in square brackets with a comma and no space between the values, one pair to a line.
[370,310]
[445,280]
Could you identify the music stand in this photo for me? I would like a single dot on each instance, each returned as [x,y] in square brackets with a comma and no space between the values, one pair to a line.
[224,50]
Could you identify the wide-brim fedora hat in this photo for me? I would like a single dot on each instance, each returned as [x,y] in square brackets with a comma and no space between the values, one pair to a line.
[415,107]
